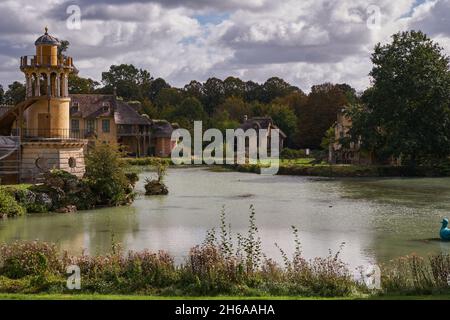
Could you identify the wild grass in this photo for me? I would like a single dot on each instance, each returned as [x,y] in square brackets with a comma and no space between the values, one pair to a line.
[224,264]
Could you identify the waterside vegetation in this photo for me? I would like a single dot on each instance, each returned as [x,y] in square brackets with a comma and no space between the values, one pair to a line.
[106,183]
[225,264]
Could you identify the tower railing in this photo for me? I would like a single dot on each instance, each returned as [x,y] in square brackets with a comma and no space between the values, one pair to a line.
[31,134]
[46,61]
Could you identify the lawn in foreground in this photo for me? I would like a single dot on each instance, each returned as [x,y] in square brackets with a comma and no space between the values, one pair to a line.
[13,296]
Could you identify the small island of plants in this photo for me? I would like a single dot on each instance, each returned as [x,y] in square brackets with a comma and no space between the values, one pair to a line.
[106,183]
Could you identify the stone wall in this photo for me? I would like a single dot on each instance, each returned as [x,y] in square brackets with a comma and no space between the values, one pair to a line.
[38,157]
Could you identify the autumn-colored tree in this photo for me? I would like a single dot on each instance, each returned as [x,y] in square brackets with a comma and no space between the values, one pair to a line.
[235,107]
[319,113]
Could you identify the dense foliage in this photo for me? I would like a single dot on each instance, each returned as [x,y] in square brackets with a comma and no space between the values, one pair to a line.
[407,110]
[105,175]
[8,205]
[223,264]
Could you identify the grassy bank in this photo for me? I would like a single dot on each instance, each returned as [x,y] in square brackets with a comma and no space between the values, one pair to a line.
[144,297]
[309,167]
[12,296]
[306,167]
[225,264]
[147,161]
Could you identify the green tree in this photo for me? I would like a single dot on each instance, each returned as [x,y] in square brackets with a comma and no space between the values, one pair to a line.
[328,139]
[155,88]
[15,94]
[105,175]
[191,109]
[194,89]
[148,108]
[274,88]
[253,91]
[213,94]
[285,118]
[2,95]
[82,85]
[234,87]
[63,47]
[131,83]
[407,111]
[168,97]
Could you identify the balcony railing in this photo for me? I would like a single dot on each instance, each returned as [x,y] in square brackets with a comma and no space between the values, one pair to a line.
[46,61]
[55,134]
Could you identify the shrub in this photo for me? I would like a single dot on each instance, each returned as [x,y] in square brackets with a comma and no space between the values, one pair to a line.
[22,259]
[417,275]
[9,206]
[132,177]
[287,153]
[105,175]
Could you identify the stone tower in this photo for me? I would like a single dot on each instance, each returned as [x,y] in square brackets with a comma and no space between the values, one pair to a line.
[47,141]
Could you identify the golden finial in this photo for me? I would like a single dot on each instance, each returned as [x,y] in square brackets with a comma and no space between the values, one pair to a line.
[46,30]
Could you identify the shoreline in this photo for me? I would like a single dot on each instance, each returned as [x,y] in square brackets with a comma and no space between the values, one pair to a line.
[304,167]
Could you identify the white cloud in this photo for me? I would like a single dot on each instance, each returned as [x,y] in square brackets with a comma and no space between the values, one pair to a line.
[304,41]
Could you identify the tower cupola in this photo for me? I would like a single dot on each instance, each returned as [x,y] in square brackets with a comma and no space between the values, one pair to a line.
[47,49]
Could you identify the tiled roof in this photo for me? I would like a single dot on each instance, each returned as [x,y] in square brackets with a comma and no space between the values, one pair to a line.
[261,123]
[126,114]
[162,129]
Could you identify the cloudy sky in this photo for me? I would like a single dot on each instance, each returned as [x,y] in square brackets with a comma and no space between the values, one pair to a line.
[306,42]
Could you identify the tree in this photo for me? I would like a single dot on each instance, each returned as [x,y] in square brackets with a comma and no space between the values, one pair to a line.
[15,94]
[282,115]
[63,47]
[285,118]
[2,94]
[155,88]
[235,108]
[148,108]
[213,94]
[253,91]
[276,87]
[131,83]
[168,97]
[191,109]
[81,85]
[328,139]
[295,100]
[233,87]
[407,111]
[319,113]
[105,175]
[194,89]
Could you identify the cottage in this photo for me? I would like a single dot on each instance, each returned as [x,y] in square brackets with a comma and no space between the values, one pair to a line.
[266,123]
[340,154]
[106,119]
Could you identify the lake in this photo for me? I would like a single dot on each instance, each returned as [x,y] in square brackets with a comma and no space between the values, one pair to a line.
[378,219]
